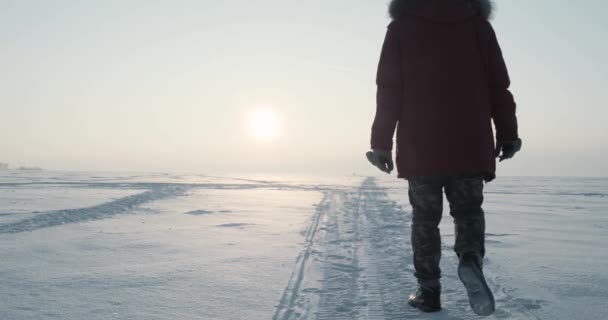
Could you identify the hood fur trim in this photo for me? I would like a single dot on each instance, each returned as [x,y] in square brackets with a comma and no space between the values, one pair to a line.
[398,8]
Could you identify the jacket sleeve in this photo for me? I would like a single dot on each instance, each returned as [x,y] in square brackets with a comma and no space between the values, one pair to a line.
[389,92]
[503,103]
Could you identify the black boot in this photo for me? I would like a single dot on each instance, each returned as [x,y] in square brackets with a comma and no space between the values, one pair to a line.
[427,298]
[471,275]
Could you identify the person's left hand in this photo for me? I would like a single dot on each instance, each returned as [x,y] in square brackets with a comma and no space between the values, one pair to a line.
[382,159]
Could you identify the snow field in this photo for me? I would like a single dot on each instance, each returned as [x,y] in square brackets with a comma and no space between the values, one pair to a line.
[171,246]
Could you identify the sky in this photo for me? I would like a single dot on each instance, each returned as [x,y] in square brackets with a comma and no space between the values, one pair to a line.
[132,85]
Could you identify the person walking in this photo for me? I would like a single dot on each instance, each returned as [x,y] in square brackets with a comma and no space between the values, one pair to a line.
[441,81]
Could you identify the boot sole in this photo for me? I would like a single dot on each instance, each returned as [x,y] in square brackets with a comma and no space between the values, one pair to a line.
[423,308]
[480,295]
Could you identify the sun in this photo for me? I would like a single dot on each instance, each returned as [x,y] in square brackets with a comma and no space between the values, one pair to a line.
[265,124]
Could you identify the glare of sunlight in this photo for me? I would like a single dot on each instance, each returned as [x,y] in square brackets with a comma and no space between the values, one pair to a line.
[265,124]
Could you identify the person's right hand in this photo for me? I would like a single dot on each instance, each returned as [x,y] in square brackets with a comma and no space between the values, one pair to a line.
[508,148]
[382,159]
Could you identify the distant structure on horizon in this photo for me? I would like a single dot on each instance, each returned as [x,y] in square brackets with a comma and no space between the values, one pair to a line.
[3,165]
[29,168]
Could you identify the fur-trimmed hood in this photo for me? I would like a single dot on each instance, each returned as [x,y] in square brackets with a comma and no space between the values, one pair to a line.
[442,10]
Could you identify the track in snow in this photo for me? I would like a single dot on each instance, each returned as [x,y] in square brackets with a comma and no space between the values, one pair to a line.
[357,264]
[102,211]
[125,205]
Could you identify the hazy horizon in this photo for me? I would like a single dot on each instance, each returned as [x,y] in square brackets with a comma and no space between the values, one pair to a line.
[173,86]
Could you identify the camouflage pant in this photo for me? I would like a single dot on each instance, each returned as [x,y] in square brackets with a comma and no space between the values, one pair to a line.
[465,195]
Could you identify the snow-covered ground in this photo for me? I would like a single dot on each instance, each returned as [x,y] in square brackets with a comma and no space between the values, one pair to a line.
[171,246]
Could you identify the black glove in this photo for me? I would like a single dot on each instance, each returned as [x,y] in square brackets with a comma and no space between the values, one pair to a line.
[382,159]
[508,148]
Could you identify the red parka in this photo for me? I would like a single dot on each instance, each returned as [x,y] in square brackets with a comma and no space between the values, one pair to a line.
[441,81]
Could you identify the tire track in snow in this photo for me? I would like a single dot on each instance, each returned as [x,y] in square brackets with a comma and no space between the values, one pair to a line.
[355,278]
[340,293]
[389,255]
[291,302]
[358,265]
[102,211]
